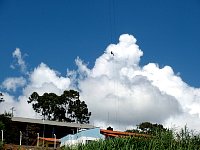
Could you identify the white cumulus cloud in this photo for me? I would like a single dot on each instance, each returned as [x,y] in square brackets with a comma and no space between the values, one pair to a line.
[12,83]
[9,102]
[119,92]
[42,79]
[20,61]
[117,86]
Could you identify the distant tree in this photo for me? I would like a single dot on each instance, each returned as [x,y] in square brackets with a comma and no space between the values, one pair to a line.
[145,126]
[2,125]
[150,128]
[1,97]
[10,134]
[11,131]
[133,130]
[66,107]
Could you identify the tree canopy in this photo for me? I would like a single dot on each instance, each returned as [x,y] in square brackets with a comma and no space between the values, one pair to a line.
[1,97]
[149,128]
[66,107]
[8,128]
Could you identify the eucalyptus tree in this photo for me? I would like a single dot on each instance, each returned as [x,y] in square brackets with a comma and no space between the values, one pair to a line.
[66,107]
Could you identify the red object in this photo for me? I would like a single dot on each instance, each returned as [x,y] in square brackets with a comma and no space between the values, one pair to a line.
[110,133]
[49,139]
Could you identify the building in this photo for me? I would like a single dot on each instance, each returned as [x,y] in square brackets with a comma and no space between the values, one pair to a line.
[95,134]
[33,128]
[82,137]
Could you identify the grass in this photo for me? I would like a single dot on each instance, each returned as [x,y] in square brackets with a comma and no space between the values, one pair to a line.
[184,140]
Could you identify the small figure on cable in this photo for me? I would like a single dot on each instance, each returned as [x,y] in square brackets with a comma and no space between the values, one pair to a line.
[112,53]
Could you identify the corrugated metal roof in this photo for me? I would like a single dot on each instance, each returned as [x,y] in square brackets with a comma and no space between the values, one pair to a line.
[55,123]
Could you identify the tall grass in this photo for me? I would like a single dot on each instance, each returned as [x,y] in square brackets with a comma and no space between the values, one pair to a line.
[169,140]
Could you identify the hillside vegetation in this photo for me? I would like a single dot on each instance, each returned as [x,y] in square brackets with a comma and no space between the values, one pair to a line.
[167,140]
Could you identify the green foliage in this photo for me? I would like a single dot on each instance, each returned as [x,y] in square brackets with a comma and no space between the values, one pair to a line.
[149,128]
[9,129]
[162,141]
[2,125]
[1,97]
[133,130]
[66,107]
[1,145]
[79,111]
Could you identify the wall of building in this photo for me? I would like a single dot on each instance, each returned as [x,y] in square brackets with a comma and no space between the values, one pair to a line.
[82,137]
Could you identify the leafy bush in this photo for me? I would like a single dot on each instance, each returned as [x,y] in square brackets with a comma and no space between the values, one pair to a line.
[1,145]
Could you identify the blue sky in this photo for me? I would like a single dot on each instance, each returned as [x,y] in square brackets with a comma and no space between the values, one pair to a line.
[41,40]
[56,32]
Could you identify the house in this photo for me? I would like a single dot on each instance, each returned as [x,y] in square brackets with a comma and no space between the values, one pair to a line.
[32,128]
[82,137]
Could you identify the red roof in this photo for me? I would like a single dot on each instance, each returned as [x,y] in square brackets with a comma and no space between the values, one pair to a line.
[111,133]
[49,139]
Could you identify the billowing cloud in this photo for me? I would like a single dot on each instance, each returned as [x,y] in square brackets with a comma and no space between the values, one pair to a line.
[42,79]
[120,92]
[9,102]
[118,86]
[12,83]
[19,60]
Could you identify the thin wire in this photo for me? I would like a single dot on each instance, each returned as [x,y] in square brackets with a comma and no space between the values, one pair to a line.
[112,19]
